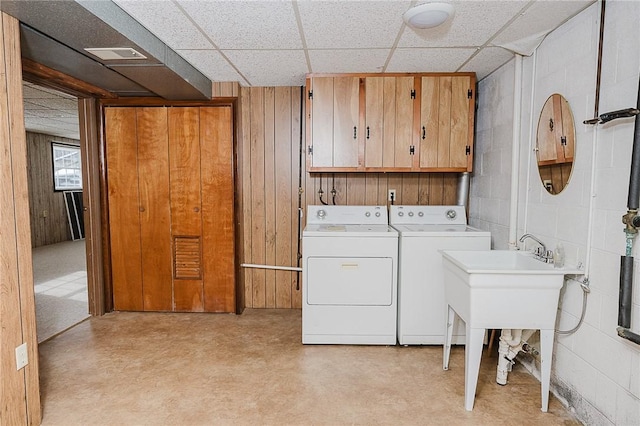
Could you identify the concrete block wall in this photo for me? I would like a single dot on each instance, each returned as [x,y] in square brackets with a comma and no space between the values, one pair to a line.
[596,372]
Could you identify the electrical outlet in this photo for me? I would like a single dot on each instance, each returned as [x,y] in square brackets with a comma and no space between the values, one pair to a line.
[392,195]
[22,359]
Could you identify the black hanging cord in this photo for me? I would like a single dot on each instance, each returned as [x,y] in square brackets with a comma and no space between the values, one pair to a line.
[300,190]
[321,193]
[333,188]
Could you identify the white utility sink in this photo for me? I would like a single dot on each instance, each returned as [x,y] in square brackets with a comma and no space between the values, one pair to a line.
[501,289]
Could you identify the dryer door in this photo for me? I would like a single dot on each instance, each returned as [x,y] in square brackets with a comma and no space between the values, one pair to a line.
[365,281]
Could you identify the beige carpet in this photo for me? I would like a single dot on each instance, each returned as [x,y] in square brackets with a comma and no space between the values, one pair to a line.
[60,278]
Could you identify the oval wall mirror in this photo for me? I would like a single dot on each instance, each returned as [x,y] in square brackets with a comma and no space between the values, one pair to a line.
[555,144]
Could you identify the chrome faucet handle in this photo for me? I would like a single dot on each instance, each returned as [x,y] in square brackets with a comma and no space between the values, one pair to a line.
[549,256]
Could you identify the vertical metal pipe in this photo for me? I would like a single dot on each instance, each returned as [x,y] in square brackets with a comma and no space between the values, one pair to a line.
[634,179]
[462,197]
[626,284]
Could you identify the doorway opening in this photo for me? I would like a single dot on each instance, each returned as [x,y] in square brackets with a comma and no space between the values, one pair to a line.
[54,172]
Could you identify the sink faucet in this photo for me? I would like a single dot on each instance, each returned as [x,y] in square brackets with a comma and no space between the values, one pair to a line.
[541,253]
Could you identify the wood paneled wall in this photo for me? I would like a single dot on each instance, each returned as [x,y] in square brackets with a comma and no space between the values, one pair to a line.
[49,223]
[19,389]
[268,161]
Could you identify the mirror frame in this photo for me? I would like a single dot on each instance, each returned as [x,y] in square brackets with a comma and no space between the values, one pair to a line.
[555,144]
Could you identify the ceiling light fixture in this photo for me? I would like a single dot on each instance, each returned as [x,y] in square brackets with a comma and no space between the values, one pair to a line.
[428,15]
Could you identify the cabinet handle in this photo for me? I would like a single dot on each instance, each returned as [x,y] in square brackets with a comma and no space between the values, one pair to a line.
[367,132]
[424,132]
[355,132]
[196,209]
[141,209]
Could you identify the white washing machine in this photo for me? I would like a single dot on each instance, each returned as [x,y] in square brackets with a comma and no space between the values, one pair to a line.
[424,231]
[349,269]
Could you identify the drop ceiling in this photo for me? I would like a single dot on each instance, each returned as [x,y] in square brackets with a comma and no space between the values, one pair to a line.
[275,43]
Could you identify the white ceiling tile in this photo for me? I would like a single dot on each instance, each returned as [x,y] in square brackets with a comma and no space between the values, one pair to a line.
[473,24]
[541,17]
[428,60]
[486,61]
[351,24]
[270,67]
[167,22]
[247,24]
[212,64]
[348,60]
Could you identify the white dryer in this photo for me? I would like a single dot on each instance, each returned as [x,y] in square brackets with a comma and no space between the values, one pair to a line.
[349,269]
[424,231]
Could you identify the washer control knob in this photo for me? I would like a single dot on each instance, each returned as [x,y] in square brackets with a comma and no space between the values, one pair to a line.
[451,214]
[420,214]
[410,214]
[400,214]
[321,214]
[367,214]
[377,214]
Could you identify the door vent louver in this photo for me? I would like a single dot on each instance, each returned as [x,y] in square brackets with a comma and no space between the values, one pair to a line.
[187,258]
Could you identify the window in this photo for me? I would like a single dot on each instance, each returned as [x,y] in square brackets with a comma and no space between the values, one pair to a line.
[67,172]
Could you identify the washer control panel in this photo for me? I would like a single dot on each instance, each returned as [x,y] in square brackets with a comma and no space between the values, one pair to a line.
[348,215]
[428,215]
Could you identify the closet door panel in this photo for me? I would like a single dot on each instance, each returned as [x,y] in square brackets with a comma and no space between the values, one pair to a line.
[186,207]
[124,221]
[155,216]
[216,148]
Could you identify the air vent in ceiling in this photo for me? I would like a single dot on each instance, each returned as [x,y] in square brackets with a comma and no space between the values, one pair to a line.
[115,53]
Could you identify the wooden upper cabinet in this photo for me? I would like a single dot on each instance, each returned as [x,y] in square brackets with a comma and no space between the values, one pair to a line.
[390,122]
[335,116]
[446,123]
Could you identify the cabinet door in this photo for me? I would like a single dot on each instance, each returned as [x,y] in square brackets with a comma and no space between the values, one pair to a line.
[389,122]
[124,208]
[335,111]
[446,123]
[556,133]
[403,153]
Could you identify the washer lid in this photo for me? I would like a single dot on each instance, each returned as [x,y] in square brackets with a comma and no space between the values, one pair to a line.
[419,230]
[348,230]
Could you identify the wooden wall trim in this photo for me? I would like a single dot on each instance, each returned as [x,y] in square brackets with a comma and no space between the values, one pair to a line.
[19,389]
[44,76]
[90,150]
[392,74]
[159,102]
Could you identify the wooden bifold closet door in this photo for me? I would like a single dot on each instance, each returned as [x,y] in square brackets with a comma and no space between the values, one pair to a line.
[170,191]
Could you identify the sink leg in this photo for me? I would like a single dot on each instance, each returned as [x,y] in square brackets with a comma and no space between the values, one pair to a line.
[546,355]
[448,335]
[472,355]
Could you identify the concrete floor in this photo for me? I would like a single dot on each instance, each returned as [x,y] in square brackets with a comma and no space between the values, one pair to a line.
[205,369]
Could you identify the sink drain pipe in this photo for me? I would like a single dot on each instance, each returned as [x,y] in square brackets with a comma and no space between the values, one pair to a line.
[632,222]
